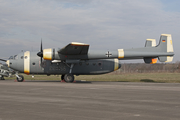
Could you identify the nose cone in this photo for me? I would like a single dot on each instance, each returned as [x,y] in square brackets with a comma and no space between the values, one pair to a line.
[7,62]
[11,64]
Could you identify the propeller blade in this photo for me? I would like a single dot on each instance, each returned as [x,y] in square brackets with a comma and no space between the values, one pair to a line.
[40,54]
[3,60]
[41,46]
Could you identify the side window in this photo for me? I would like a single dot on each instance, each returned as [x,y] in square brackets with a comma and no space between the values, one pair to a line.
[11,57]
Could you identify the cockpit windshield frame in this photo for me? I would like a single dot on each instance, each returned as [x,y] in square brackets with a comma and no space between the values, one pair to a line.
[15,57]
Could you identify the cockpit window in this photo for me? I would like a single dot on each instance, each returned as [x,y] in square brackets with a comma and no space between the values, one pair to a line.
[11,57]
[16,57]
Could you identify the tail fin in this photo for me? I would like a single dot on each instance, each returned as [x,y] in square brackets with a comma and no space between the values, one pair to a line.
[150,43]
[165,45]
[164,51]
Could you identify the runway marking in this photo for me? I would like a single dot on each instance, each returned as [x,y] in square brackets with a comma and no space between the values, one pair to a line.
[137,115]
[94,88]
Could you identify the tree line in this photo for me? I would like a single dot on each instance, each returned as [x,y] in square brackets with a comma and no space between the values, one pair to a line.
[149,68]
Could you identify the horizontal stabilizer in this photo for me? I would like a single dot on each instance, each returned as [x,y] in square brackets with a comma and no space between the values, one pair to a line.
[166,59]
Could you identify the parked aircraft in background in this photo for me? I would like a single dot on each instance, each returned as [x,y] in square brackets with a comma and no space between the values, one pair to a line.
[76,59]
[5,71]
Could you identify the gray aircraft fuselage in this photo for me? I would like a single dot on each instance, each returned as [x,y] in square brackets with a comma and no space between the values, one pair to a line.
[83,67]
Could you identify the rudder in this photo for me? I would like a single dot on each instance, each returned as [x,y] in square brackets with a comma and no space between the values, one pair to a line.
[165,45]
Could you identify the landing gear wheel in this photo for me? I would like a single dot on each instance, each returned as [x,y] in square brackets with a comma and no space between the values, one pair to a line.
[69,78]
[62,77]
[20,79]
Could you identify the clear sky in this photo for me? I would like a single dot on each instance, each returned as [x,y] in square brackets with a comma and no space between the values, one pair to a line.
[104,24]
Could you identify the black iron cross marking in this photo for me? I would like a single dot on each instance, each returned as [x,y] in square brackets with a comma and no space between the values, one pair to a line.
[108,54]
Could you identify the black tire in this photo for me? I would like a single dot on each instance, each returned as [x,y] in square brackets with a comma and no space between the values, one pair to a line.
[62,77]
[20,79]
[69,78]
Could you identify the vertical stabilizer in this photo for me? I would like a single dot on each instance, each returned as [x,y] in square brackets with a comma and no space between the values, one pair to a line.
[150,43]
[166,45]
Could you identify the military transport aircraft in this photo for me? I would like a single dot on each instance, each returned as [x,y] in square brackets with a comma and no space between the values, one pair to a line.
[76,59]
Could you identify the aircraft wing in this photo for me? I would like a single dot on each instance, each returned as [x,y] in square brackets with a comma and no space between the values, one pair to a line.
[75,48]
[79,51]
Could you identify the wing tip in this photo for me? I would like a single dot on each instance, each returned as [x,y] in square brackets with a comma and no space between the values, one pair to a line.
[78,43]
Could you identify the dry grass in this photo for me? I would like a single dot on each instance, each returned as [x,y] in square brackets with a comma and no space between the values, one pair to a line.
[138,77]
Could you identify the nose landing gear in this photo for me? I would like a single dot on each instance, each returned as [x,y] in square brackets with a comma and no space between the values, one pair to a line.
[19,78]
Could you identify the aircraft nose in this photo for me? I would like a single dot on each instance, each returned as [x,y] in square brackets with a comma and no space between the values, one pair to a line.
[7,62]
[11,64]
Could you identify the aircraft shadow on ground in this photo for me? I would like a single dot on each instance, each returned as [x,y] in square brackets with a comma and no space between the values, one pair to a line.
[76,81]
[147,80]
[123,81]
[151,81]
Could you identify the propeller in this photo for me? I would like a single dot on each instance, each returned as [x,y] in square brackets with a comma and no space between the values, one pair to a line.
[3,60]
[40,54]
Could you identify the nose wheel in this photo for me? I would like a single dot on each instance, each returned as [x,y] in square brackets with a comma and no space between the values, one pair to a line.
[20,78]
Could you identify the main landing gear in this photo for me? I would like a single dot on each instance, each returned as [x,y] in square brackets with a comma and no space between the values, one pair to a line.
[69,78]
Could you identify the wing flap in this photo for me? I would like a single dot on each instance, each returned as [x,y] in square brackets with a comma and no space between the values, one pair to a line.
[75,48]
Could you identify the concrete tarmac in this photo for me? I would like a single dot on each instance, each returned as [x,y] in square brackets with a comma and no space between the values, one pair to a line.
[53,100]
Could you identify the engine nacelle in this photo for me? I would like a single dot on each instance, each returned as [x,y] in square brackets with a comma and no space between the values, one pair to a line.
[49,54]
